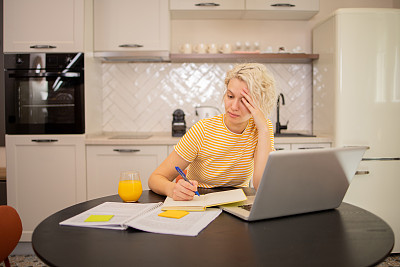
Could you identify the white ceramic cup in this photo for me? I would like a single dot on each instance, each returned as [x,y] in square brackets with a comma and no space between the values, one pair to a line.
[247,46]
[200,49]
[186,49]
[226,48]
[269,50]
[238,46]
[212,49]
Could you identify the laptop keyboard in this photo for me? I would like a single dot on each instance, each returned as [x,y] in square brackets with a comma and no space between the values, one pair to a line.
[246,207]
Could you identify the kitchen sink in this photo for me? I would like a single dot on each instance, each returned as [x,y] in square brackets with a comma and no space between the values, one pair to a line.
[293,135]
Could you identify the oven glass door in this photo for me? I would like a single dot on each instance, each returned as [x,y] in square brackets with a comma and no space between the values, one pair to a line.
[40,102]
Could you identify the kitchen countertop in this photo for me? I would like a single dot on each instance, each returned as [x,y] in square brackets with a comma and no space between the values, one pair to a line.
[165,138]
[132,139]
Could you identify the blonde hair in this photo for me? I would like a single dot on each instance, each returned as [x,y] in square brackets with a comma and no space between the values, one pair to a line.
[260,83]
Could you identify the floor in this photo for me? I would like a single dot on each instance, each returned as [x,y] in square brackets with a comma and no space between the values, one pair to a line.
[23,256]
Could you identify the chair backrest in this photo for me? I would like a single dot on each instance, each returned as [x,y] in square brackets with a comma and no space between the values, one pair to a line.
[10,231]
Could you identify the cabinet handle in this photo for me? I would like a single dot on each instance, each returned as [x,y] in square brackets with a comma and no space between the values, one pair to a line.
[43,46]
[362,172]
[367,147]
[126,150]
[207,4]
[379,159]
[45,74]
[316,147]
[44,140]
[131,45]
[283,5]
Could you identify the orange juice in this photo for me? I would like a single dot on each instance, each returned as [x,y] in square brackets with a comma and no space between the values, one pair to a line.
[130,190]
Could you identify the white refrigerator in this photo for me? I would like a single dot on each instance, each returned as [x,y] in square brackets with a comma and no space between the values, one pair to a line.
[356,101]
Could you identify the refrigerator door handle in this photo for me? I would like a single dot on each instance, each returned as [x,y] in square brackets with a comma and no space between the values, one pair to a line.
[379,159]
[367,147]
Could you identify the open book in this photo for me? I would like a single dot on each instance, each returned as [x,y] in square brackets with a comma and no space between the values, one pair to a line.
[200,203]
[141,216]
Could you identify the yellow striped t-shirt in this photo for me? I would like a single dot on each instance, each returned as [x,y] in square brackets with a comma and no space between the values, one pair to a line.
[217,156]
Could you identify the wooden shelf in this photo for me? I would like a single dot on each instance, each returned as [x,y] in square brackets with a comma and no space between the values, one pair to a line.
[245,57]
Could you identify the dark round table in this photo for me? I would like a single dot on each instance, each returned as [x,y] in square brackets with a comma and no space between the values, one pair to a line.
[346,236]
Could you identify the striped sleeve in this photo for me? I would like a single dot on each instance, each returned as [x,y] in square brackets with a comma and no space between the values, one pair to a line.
[271,134]
[189,145]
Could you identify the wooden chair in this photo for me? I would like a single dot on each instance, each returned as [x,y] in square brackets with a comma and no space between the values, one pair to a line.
[10,232]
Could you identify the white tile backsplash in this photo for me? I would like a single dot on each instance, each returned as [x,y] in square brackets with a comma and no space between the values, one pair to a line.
[141,97]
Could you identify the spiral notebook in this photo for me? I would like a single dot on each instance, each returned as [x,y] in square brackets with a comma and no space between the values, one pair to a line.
[141,216]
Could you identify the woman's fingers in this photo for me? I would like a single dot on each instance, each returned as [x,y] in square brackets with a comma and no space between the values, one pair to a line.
[247,100]
[184,190]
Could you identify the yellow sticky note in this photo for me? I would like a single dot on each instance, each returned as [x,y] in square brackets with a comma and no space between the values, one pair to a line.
[99,218]
[177,214]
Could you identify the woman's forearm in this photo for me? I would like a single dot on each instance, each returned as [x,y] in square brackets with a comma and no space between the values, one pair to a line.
[160,185]
[161,180]
[261,157]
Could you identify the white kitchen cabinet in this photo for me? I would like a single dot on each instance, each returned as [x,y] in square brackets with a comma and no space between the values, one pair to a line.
[43,26]
[244,9]
[105,163]
[131,26]
[45,173]
[281,10]
[198,9]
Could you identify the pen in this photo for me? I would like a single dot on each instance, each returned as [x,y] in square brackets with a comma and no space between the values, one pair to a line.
[186,179]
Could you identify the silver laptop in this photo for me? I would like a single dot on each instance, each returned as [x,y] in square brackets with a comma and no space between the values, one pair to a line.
[300,181]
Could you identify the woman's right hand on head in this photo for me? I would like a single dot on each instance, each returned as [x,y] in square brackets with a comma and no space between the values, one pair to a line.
[184,190]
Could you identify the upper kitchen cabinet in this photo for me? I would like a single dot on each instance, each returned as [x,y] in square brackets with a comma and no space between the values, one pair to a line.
[136,29]
[244,9]
[43,26]
[281,10]
[198,9]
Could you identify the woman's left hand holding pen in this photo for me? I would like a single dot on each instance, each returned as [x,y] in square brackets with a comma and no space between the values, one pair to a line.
[184,190]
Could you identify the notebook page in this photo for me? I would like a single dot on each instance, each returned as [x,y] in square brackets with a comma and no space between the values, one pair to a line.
[189,225]
[197,201]
[122,212]
[224,197]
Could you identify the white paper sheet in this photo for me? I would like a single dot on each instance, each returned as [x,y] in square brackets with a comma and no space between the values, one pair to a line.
[189,225]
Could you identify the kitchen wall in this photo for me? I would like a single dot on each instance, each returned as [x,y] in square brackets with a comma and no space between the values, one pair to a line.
[142,96]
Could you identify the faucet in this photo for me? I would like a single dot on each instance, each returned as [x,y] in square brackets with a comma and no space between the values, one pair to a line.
[280,127]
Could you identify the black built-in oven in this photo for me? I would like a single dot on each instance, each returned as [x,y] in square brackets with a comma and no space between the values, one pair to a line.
[44,93]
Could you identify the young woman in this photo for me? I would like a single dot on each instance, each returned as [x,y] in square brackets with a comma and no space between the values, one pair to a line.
[228,149]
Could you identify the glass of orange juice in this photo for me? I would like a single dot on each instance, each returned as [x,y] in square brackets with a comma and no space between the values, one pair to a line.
[130,186]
